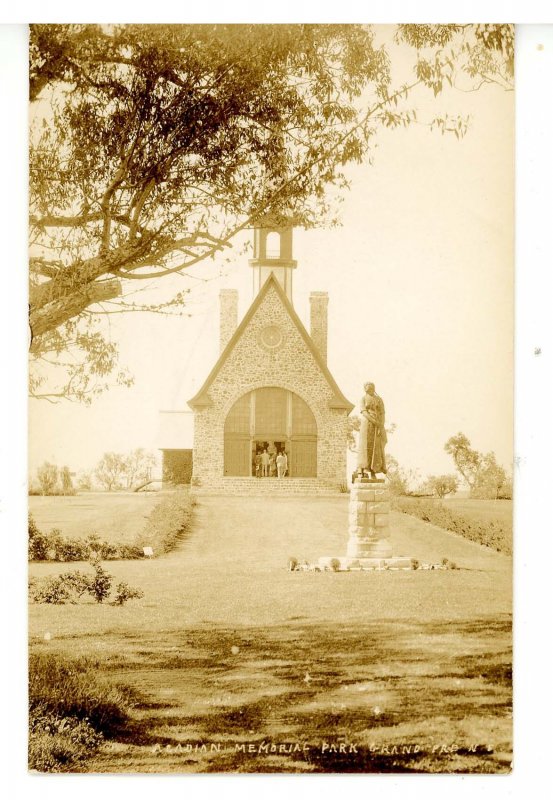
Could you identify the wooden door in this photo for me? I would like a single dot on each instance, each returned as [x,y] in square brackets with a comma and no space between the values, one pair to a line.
[303,457]
[238,455]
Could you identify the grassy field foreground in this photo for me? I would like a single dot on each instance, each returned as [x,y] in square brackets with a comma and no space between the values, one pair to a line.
[243,666]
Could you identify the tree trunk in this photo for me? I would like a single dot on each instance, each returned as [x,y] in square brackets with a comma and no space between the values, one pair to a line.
[54,314]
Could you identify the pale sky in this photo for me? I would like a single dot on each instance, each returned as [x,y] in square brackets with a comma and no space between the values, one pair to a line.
[420,280]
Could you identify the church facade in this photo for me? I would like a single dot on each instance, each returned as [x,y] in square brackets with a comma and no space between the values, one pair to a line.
[270,389]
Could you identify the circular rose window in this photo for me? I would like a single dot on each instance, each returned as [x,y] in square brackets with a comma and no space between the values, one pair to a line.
[271,337]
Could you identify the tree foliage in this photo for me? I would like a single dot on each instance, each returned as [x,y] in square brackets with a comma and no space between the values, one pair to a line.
[117,471]
[400,479]
[66,481]
[110,471]
[442,485]
[47,475]
[152,147]
[481,472]
[138,467]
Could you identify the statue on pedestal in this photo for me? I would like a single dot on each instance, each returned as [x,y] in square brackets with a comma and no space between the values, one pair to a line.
[372,435]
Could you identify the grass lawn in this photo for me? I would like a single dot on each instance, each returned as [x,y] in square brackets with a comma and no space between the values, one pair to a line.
[485,510]
[243,666]
[116,517]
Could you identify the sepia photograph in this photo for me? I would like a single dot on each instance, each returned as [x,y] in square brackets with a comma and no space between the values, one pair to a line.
[271,398]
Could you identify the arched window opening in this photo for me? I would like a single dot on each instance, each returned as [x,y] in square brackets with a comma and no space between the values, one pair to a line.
[272,245]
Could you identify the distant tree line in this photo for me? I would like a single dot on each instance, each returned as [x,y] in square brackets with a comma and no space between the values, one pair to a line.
[114,471]
[480,472]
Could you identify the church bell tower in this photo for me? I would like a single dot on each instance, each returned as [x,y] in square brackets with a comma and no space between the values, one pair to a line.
[272,253]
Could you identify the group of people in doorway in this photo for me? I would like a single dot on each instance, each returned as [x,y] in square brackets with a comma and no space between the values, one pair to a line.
[270,463]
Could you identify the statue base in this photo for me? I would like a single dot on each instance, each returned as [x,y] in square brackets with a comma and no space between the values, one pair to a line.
[369,544]
[356,478]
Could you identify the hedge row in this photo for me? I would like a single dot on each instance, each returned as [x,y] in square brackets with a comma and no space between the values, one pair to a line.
[492,533]
[165,526]
[53,546]
[168,523]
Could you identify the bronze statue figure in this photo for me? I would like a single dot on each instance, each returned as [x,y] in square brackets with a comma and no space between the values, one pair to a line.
[372,435]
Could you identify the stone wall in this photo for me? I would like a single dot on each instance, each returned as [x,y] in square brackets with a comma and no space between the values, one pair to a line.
[228,303]
[252,365]
[318,302]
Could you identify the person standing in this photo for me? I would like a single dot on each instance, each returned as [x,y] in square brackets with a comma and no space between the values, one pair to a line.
[280,462]
[265,461]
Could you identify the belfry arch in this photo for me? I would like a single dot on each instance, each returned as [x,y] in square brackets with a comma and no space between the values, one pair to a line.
[270,418]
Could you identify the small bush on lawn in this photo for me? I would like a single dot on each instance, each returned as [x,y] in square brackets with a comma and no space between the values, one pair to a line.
[69,587]
[70,711]
[168,523]
[124,592]
[100,583]
[492,533]
[335,564]
[51,590]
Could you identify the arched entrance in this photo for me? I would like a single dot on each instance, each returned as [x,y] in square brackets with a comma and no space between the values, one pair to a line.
[276,420]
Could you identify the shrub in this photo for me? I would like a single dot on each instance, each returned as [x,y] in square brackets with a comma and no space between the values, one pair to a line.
[55,547]
[492,533]
[69,587]
[70,711]
[76,582]
[51,590]
[129,551]
[441,485]
[292,563]
[415,563]
[37,542]
[100,583]
[125,592]
[71,549]
[168,523]
[57,743]
[335,564]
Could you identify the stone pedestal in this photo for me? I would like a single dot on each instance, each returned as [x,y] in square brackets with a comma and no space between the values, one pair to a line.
[369,521]
[369,544]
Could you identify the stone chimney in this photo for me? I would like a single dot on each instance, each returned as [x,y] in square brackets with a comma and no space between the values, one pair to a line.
[228,299]
[319,321]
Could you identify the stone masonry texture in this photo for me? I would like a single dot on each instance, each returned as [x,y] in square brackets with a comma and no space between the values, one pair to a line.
[228,300]
[250,366]
[319,321]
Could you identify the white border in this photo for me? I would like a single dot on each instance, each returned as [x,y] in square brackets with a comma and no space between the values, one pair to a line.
[534,404]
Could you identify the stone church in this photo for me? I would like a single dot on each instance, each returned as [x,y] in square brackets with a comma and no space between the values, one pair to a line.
[270,389]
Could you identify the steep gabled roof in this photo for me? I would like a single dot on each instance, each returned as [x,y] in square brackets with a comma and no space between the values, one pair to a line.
[202,398]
